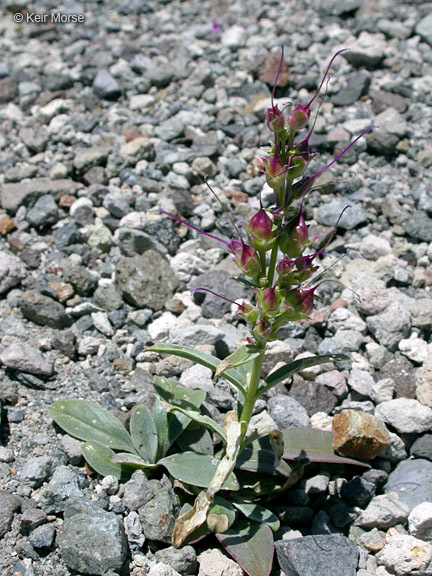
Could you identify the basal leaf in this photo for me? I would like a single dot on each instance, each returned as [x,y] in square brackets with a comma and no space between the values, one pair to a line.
[258,514]
[131,460]
[144,433]
[195,469]
[221,515]
[251,545]
[204,420]
[196,438]
[178,395]
[88,421]
[207,360]
[262,461]
[99,457]
[293,367]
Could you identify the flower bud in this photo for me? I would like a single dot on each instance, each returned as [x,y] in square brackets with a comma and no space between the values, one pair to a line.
[295,237]
[268,298]
[260,230]
[245,257]
[275,119]
[299,117]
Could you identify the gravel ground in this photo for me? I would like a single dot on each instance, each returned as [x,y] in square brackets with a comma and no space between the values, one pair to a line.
[121,107]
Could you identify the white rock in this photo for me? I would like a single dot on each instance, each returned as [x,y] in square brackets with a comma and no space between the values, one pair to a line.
[383,512]
[405,415]
[159,328]
[88,346]
[102,323]
[214,563]
[82,211]
[141,101]
[415,348]
[321,421]
[196,376]
[420,521]
[382,391]
[373,247]
[234,37]
[161,569]
[196,335]
[186,265]
[403,554]
[396,451]
[134,220]
[361,381]
[393,121]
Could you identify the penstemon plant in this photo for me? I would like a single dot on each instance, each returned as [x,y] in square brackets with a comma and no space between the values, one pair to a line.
[255,462]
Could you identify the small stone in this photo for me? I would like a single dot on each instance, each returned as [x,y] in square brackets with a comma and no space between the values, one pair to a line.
[137,491]
[213,563]
[358,492]
[9,504]
[60,489]
[161,569]
[373,247]
[415,348]
[412,481]
[21,356]
[183,560]
[105,86]
[36,470]
[333,553]
[391,326]
[91,540]
[382,391]
[116,203]
[361,381]
[401,372]
[43,213]
[403,554]
[196,335]
[157,516]
[420,521]
[6,224]
[383,512]
[63,290]
[422,447]
[405,415]
[359,435]
[234,37]
[423,28]
[287,412]
[368,50]
[423,383]
[373,541]
[12,271]
[82,211]
[42,537]
[31,519]
[73,449]
[43,310]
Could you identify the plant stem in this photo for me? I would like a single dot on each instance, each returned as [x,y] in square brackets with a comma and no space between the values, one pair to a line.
[252,389]
[272,263]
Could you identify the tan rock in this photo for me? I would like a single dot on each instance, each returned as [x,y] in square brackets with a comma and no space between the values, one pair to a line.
[423,379]
[359,435]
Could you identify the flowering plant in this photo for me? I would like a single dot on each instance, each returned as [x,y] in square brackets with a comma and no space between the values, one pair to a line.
[276,262]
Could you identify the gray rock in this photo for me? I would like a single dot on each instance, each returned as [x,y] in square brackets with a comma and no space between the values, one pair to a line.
[424,28]
[137,491]
[195,335]
[361,381]
[31,518]
[25,193]
[83,281]
[9,504]
[105,86]
[331,553]
[422,447]
[82,211]
[390,326]
[43,213]
[36,470]
[183,560]
[42,536]
[62,486]
[91,541]
[132,242]
[86,158]
[43,310]
[108,297]
[406,415]
[419,226]
[329,213]
[412,481]
[170,129]
[157,516]
[401,372]
[146,281]
[12,271]
[220,282]
[116,204]
[383,512]
[357,85]
[287,412]
[21,356]
[368,50]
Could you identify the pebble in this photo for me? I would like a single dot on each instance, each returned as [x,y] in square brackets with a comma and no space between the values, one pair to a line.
[9,504]
[405,415]
[420,521]
[412,481]
[384,511]
[12,271]
[357,434]
[21,356]
[287,412]
[213,563]
[403,554]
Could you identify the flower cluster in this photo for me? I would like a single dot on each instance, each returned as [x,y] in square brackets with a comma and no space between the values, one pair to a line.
[281,287]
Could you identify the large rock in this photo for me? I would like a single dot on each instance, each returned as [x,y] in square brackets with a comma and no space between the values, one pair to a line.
[391,326]
[357,434]
[322,554]
[21,356]
[91,541]
[412,481]
[157,516]
[12,271]
[25,193]
[146,281]
[403,554]
[405,415]
[43,310]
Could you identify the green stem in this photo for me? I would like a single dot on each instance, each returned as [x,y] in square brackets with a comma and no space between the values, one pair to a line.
[262,257]
[252,390]
[272,263]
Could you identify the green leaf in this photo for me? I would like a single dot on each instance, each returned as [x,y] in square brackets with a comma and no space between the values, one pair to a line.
[88,421]
[293,367]
[251,545]
[178,395]
[99,457]
[195,469]
[195,439]
[262,461]
[144,433]
[314,445]
[243,355]
[204,420]
[258,513]
[131,460]
[169,426]
[244,281]
[206,360]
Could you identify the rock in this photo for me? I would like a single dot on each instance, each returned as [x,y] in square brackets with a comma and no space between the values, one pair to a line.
[220,282]
[396,451]
[186,265]
[405,415]
[31,518]
[25,193]
[333,553]
[83,281]
[400,371]
[116,203]
[107,297]
[43,213]
[287,412]
[213,563]
[82,211]
[373,295]
[183,560]
[361,381]
[42,537]
[420,521]
[105,86]
[12,271]
[368,50]
[423,384]
[86,158]
[61,488]
[312,396]
[91,540]
[373,247]
[234,37]
[359,435]
[415,348]
[101,238]
[142,288]
[335,381]
[357,85]
[390,326]
[423,28]
[383,512]
[412,481]
[419,226]
[21,356]
[358,492]
[403,554]
[137,491]
[157,516]
[196,335]
[422,447]
[9,504]
[161,569]
[329,213]
[43,310]
[36,470]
